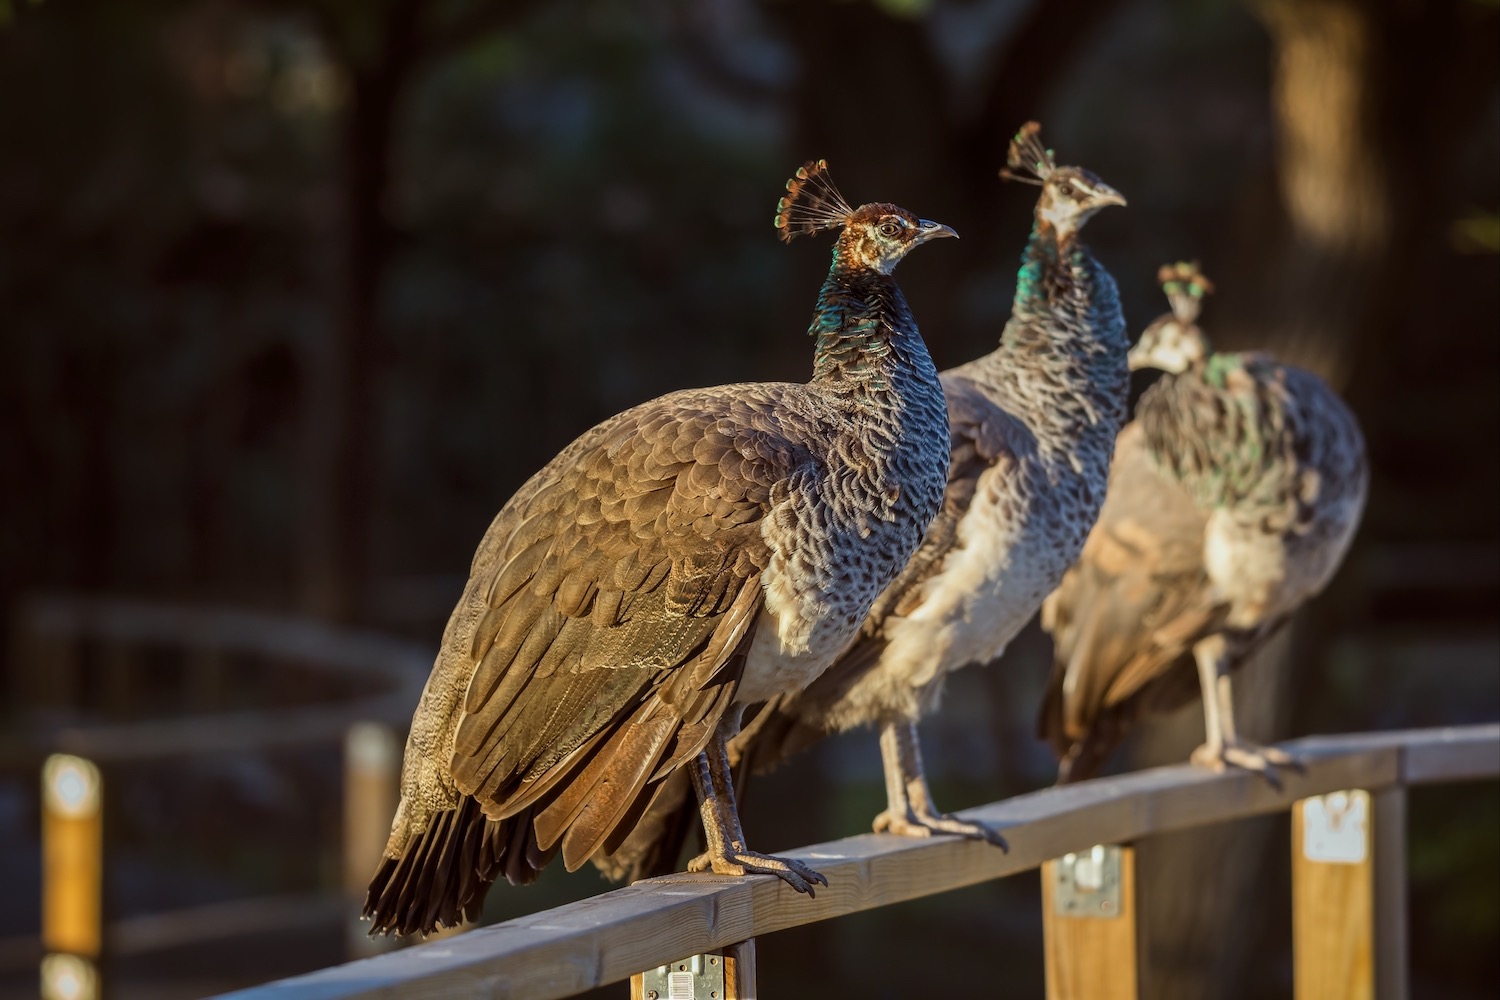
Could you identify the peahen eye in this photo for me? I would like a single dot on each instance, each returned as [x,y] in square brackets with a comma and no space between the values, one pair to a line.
[890,229]
[1066,190]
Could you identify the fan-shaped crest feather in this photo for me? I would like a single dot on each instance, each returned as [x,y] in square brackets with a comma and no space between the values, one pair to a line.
[811,203]
[1185,285]
[1028,161]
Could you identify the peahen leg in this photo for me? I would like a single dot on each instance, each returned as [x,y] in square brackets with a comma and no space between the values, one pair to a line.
[727,854]
[909,810]
[1223,746]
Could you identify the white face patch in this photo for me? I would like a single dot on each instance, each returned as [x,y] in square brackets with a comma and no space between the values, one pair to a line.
[1066,215]
[1169,348]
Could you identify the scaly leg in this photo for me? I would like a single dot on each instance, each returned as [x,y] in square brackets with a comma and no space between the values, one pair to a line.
[727,854]
[1223,747]
[909,809]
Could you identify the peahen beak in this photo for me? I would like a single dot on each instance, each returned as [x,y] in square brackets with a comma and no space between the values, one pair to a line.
[927,230]
[1106,195]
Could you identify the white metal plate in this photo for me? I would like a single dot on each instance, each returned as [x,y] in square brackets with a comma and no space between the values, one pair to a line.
[1335,827]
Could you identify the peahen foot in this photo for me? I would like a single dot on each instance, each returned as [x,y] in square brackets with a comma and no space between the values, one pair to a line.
[915,824]
[1262,760]
[738,861]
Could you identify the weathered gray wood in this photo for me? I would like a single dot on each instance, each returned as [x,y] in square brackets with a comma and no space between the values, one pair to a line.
[608,938]
[1449,753]
[1392,972]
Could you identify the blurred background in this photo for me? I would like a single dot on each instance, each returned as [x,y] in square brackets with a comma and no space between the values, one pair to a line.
[295,293]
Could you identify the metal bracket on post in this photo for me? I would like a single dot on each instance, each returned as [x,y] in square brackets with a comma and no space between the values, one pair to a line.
[1335,827]
[698,978]
[1087,884]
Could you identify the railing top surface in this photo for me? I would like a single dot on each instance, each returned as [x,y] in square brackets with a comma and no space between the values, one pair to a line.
[610,937]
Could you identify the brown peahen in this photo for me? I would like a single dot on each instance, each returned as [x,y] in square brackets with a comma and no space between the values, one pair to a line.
[697,553]
[1235,494]
[1033,425]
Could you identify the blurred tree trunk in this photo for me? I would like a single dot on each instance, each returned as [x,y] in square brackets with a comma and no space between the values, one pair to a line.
[342,426]
[382,49]
[1363,130]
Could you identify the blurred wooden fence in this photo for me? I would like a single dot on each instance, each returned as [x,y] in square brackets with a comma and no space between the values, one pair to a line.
[360,689]
[692,935]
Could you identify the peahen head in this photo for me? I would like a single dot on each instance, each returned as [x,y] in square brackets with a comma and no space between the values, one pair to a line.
[1070,195]
[873,237]
[1174,342]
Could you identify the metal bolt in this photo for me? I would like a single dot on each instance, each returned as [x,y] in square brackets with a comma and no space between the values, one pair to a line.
[652,995]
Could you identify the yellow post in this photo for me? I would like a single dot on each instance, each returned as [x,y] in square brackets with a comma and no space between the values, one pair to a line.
[69,977]
[1089,925]
[372,774]
[1348,896]
[72,876]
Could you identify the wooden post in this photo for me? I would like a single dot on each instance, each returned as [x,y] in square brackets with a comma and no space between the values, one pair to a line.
[69,977]
[372,773]
[72,876]
[734,967]
[1089,925]
[1392,968]
[1349,896]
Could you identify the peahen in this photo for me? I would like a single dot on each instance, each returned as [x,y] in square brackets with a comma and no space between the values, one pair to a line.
[706,550]
[1234,496]
[1033,425]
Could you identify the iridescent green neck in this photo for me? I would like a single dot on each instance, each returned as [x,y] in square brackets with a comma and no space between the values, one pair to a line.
[1217,369]
[1216,428]
[858,311]
[1042,265]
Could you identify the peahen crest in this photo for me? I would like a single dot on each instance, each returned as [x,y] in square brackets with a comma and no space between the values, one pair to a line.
[1028,161]
[1185,286]
[811,203]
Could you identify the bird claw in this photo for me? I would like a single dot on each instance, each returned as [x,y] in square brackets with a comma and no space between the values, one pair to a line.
[915,824]
[1261,760]
[737,861]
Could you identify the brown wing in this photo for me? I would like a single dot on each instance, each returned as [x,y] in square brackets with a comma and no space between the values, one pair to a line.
[597,644]
[1126,614]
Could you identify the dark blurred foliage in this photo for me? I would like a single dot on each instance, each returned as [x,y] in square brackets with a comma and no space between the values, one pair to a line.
[294,293]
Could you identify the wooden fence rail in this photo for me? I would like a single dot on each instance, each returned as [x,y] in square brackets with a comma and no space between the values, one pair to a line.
[657,922]
[376,679]
[390,673]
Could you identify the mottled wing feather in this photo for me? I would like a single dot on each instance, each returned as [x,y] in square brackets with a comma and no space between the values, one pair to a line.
[1128,611]
[638,526]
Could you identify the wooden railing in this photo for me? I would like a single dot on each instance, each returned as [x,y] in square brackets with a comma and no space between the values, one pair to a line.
[1349,901]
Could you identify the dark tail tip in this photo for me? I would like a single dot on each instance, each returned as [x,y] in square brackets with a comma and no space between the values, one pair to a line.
[445,873]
